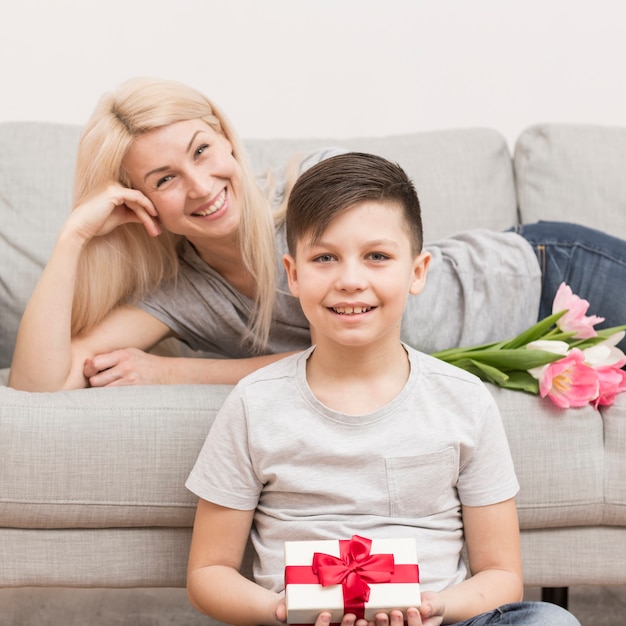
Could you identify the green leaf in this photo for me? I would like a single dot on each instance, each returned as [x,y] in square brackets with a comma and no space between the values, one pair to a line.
[507,360]
[602,335]
[444,355]
[522,381]
[489,373]
[483,371]
[535,332]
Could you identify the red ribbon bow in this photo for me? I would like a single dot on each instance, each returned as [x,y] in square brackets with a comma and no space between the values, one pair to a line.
[353,569]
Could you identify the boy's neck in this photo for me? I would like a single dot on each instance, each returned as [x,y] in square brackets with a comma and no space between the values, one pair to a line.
[357,380]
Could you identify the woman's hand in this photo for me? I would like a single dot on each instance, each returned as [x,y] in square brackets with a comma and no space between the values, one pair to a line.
[128,366]
[111,207]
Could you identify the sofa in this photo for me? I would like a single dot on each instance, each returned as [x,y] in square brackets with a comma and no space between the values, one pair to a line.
[92,481]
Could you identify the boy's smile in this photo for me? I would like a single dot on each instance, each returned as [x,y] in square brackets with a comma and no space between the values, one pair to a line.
[353,283]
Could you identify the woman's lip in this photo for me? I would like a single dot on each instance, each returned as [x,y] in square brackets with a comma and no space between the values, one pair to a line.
[212,206]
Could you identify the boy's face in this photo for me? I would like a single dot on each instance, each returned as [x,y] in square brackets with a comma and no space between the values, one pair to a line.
[353,283]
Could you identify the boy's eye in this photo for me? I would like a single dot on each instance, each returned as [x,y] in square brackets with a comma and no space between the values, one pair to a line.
[324,258]
[378,256]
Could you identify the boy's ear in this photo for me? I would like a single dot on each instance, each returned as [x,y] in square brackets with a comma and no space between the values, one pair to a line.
[420,269]
[292,274]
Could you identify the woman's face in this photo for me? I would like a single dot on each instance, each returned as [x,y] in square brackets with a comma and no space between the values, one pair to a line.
[188,171]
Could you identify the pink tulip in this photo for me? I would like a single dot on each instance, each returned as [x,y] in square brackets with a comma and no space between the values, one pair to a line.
[612,380]
[574,320]
[569,382]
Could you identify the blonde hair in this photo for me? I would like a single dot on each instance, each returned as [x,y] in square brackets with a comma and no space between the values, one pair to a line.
[126,264]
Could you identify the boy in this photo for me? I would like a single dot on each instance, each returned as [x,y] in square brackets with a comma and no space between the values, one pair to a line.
[359,434]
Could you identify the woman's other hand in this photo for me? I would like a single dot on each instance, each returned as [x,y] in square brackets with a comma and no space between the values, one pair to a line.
[128,366]
[113,206]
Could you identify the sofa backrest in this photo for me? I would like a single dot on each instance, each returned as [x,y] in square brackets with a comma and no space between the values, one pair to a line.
[573,173]
[464,179]
[36,174]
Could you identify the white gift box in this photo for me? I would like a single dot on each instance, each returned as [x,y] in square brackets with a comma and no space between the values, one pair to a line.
[307,597]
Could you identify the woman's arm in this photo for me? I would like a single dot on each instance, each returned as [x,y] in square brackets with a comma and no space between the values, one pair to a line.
[493,548]
[46,356]
[131,366]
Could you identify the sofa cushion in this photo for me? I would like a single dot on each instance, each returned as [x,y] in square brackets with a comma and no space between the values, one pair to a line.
[99,458]
[36,174]
[614,418]
[559,460]
[573,173]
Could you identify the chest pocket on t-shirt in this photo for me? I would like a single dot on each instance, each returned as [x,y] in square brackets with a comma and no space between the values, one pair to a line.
[420,485]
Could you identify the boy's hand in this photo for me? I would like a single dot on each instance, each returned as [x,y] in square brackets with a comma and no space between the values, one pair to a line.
[349,619]
[431,610]
[396,618]
[429,614]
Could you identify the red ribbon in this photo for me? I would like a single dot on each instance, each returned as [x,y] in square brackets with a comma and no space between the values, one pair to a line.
[353,570]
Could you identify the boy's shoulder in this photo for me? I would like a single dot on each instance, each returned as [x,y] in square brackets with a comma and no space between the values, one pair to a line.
[285,367]
[430,365]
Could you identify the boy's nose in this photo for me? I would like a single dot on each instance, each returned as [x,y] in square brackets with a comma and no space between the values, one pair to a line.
[351,277]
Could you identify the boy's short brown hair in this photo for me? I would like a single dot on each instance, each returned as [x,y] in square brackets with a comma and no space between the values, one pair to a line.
[341,182]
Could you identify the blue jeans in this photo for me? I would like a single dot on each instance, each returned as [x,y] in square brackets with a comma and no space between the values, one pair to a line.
[591,262]
[524,614]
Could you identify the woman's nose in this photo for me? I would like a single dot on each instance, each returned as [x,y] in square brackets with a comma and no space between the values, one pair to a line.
[199,185]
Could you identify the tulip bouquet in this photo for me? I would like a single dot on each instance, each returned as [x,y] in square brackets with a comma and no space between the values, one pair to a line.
[562,357]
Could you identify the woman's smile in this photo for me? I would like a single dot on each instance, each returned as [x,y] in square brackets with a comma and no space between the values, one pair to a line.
[188,171]
[213,206]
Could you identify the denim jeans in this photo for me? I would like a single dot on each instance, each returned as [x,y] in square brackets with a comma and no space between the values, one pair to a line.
[524,614]
[591,262]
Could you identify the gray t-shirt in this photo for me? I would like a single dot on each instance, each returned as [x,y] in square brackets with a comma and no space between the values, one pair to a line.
[401,471]
[208,314]
[482,286]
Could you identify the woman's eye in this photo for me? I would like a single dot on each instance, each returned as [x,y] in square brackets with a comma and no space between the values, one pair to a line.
[163,180]
[202,149]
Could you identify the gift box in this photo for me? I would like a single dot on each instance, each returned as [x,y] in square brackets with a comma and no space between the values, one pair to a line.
[358,575]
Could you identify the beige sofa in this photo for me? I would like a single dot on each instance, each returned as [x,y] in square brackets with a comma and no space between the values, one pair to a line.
[92,481]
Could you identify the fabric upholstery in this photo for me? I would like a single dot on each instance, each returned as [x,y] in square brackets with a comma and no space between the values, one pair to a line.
[98,458]
[36,174]
[573,173]
[559,458]
[464,177]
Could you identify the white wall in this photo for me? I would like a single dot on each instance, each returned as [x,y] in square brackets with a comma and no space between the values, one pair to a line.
[326,68]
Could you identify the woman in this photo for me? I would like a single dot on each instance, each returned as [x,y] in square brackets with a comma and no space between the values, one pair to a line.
[171,236]
[153,148]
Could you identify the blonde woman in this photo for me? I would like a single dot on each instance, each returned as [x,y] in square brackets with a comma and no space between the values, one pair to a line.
[166,206]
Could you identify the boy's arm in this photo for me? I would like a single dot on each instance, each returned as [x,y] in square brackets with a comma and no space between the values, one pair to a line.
[495,561]
[214,585]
